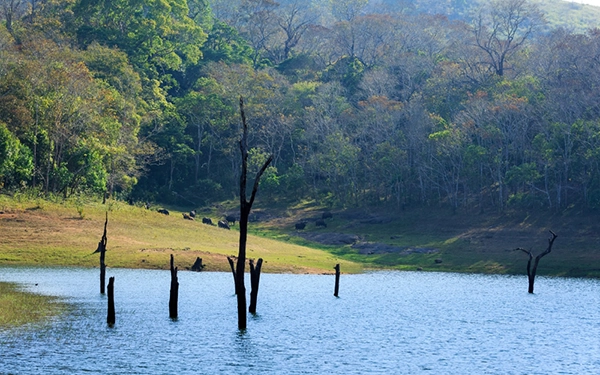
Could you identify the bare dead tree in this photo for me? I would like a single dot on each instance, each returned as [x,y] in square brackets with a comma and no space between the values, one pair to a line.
[532,271]
[102,250]
[254,281]
[245,207]
[232,265]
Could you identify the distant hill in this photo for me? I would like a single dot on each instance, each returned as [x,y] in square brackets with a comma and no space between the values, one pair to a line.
[558,13]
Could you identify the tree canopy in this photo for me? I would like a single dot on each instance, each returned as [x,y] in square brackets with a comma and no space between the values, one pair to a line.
[389,103]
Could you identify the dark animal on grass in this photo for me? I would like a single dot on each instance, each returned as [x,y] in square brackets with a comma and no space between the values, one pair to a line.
[321,223]
[207,220]
[163,211]
[300,226]
[327,215]
[223,224]
[230,219]
[187,217]
[193,213]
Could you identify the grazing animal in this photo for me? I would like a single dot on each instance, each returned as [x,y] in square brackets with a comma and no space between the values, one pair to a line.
[193,213]
[147,205]
[207,220]
[223,224]
[321,223]
[300,226]
[187,217]
[163,211]
[230,219]
[327,215]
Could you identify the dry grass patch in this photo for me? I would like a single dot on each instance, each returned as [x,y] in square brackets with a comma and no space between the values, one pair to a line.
[56,234]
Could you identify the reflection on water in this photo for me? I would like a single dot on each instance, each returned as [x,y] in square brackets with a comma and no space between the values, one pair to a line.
[384,323]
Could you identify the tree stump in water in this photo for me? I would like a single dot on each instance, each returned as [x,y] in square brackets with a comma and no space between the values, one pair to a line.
[102,250]
[174,294]
[198,266]
[337,280]
[110,318]
[254,281]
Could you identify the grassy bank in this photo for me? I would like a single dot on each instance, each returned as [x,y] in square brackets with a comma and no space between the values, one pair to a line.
[38,232]
[18,307]
[459,242]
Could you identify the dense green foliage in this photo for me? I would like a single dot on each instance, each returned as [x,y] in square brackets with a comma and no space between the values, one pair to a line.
[476,105]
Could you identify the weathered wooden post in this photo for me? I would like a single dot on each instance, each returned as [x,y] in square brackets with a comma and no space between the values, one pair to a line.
[254,281]
[102,250]
[532,271]
[174,295]
[110,318]
[337,279]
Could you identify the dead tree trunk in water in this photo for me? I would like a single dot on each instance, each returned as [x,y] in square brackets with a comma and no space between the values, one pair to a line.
[232,265]
[102,250]
[174,295]
[110,318]
[245,207]
[337,279]
[254,281]
[532,271]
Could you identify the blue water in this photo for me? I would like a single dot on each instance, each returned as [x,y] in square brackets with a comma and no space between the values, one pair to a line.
[383,323]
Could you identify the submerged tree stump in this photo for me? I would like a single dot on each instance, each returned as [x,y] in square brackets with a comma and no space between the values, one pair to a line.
[337,280]
[174,294]
[198,266]
[254,282]
[531,272]
[110,318]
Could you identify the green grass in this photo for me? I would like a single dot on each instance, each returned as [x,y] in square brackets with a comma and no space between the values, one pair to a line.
[41,232]
[18,307]
[465,242]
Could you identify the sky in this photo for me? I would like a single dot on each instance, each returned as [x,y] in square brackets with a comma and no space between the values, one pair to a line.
[590,2]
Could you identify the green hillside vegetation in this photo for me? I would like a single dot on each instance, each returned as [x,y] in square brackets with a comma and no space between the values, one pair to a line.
[570,15]
[365,106]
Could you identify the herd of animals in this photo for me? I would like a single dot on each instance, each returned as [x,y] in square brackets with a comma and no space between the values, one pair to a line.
[230,220]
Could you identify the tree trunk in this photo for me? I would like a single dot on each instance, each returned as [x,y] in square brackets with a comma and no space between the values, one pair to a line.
[531,272]
[110,318]
[337,280]
[254,282]
[174,295]
[232,265]
[245,207]
[102,250]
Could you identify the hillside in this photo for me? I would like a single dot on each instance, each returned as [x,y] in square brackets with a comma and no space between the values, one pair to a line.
[437,240]
[42,233]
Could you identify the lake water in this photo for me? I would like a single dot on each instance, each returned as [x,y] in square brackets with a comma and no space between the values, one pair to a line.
[383,323]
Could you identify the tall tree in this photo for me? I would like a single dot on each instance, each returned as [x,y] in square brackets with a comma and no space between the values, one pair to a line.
[245,207]
[502,28]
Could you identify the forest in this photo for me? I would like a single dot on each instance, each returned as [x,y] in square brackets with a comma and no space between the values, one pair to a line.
[470,105]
